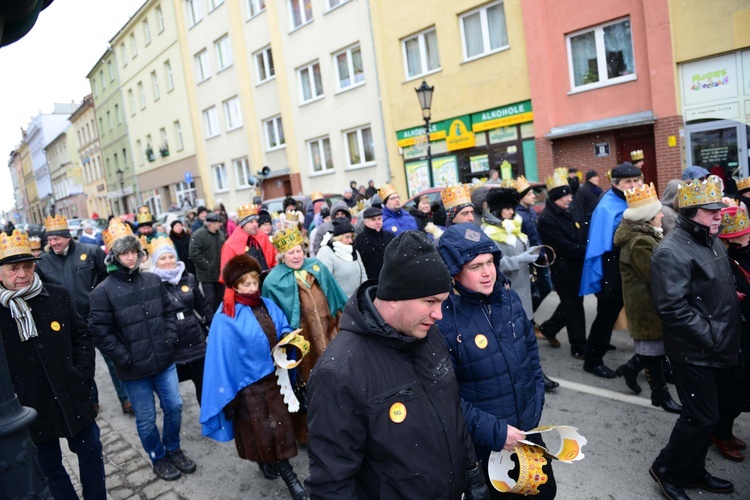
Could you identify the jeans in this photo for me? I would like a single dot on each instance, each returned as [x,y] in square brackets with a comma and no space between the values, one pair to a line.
[141,394]
[87,446]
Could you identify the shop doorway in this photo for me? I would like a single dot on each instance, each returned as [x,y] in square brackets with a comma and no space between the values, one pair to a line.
[721,148]
[641,138]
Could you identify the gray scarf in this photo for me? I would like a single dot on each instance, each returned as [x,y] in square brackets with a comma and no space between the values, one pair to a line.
[19,309]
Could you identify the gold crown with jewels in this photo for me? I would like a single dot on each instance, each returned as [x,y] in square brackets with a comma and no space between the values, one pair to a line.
[14,245]
[287,239]
[144,215]
[35,242]
[697,192]
[734,222]
[743,184]
[157,243]
[640,196]
[636,155]
[117,229]
[559,178]
[522,184]
[56,223]
[244,211]
[454,196]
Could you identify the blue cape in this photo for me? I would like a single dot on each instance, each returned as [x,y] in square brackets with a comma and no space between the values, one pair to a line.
[237,355]
[604,222]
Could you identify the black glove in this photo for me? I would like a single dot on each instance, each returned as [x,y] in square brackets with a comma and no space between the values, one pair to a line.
[476,489]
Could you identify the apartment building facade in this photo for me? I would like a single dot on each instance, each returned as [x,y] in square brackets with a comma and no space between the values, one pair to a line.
[66,175]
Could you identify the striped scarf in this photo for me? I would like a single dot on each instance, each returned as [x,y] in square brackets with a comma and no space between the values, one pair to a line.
[19,309]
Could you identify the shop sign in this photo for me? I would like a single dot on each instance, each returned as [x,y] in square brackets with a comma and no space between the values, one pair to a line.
[503,134]
[601,149]
[728,111]
[460,135]
[445,171]
[409,136]
[417,176]
[710,80]
[479,163]
[503,116]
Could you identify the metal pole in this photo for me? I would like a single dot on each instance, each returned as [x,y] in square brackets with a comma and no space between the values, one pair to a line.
[429,149]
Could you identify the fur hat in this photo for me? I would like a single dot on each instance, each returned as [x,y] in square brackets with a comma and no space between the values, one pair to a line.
[412,269]
[237,267]
[125,244]
[500,198]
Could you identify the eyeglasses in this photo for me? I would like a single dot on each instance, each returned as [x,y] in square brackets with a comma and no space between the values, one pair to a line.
[28,267]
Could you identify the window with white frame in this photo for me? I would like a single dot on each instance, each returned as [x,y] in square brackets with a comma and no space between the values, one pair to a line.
[360,150]
[178,135]
[101,77]
[185,193]
[212,4]
[601,56]
[109,121]
[146,31]
[310,81]
[93,87]
[300,12]
[155,86]
[255,7]
[164,145]
[142,95]
[335,3]
[211,121]
[133,46]
[421,53]
[194,14]
[220,177]
[319,151]
[264,65]
[483,31]
[242,171]
[111,71]
[159,19]
[274,133]
[233,113]
[141,154]
[123,54]
[349,69]
[202,65]
[131,101]
[118,114]
[223,52]
[168,76]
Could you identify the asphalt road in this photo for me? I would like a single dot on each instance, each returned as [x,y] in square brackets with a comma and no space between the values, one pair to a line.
[624,433]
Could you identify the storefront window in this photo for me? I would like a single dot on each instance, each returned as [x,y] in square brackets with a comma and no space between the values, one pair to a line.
[716,151]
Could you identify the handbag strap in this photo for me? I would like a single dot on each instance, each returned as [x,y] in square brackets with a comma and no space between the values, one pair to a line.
[196,313]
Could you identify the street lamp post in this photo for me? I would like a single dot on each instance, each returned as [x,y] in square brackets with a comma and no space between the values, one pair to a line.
[121,178]
[424,94]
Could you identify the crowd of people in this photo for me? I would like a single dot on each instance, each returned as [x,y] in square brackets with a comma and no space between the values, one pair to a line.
[410,337]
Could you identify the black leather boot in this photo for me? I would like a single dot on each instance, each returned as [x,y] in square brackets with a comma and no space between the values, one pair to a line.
[668,374]
[660,396]
[268,471]
[284,469]
[629,371]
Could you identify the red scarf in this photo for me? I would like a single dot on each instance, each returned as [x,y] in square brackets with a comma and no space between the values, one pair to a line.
[247,299]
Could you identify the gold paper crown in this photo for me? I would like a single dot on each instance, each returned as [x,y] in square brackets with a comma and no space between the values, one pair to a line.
[144,215]
[522,184]
[697,193]
[157,243]
[143,240]
[117,229]
[15,244]
[734,222]
[287,239]
[56,223]
[530,474]
[454,196]
[636,155]
[640,196]
[559,178]
[35,242]
[244,211]
[743,184]
[317,196]
[509,183]
[385,191]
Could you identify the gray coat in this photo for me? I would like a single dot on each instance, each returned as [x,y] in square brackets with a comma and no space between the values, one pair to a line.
[349,274]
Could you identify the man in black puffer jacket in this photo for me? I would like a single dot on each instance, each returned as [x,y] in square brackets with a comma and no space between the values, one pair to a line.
[129,320]
[695,296]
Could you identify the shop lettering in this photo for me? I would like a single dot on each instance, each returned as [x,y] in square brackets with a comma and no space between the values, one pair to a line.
[516,109]
[710,80]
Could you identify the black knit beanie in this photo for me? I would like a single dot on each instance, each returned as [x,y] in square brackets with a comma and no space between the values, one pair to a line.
[342,226]
[412,269]
[558,192]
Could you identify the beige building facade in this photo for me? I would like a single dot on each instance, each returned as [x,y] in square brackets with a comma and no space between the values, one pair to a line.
[86,130]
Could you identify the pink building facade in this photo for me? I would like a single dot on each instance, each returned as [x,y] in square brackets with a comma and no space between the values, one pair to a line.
[603,85]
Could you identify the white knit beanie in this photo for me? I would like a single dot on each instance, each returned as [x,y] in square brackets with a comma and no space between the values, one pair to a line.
[644,213]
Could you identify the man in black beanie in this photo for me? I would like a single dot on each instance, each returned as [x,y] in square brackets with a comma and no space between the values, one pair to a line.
[384,417]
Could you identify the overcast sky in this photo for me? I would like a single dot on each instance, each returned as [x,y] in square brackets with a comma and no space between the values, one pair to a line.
[50,65]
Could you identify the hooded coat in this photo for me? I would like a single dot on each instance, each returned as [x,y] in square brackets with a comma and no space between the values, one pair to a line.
[637,241]
[327,227]
[370,377]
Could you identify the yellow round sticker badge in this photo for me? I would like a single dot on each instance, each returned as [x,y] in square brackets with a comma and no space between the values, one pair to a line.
[397,412]
[83,257]
[55,326]
[394,229]
[185,288]
[247,249]
[481,341]
[316,267]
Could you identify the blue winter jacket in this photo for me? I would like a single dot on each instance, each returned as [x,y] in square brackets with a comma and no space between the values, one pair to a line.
[398,222]
[495,357]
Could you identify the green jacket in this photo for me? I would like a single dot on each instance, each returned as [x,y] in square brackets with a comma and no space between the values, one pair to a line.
[637,241]
[205,252]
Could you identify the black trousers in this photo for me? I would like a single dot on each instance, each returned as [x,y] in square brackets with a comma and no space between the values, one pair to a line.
[192,371]
[571,315]
[214,293]
[608,307]
[684,457]
[731,400]
[547,491]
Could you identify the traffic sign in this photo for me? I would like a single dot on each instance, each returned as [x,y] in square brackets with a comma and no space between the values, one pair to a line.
[188,177]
